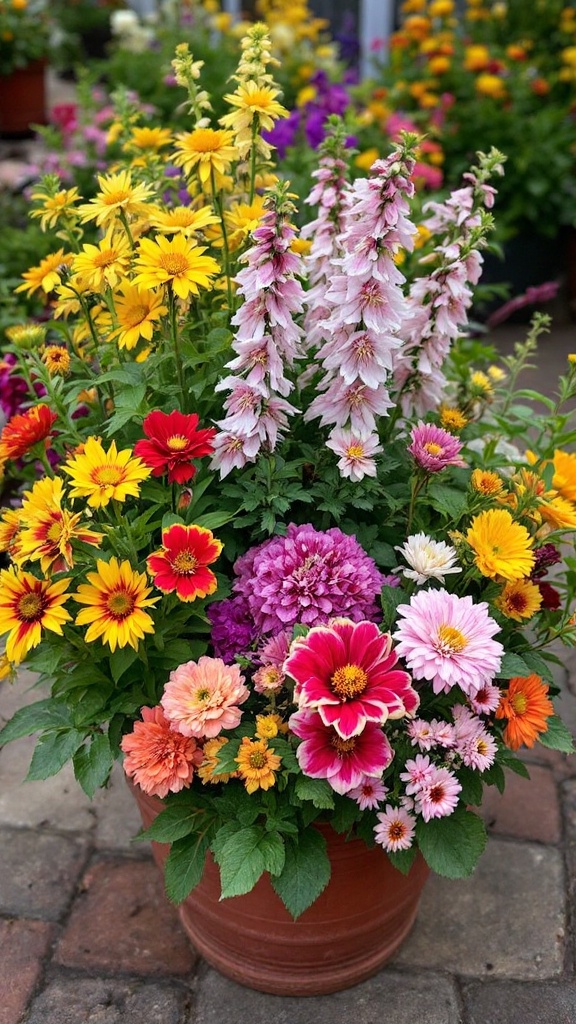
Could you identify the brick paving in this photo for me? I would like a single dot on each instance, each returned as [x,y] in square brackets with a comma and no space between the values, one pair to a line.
[87,937]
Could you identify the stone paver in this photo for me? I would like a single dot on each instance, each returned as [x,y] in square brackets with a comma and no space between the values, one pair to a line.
[122,921]
[505,1003]
[389,997]
[23,946]
[507,920]
[505,813]
[112,1001]
[39,872]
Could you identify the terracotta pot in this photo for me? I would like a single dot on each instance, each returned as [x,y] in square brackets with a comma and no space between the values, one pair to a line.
[346,936]
[23,100]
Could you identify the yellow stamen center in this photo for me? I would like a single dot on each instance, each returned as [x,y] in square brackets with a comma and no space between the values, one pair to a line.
[111,198]
[174,264]
[202,695]
[177,442]
[107,476]
[343,747]
[104,259]
[54,532]
[120,604]
[348,681]
[355,451]
[257,759]
[450,640]
[136,315]
[432,448]
[519,703]
[184,562]
[30,607]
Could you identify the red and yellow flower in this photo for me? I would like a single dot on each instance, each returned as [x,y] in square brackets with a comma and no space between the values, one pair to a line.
[27,606]
[181,564]
[116,597]
[24,430]
[173,442]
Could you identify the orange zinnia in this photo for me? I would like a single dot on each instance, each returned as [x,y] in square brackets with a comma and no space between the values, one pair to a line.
[24,430]
[527,707]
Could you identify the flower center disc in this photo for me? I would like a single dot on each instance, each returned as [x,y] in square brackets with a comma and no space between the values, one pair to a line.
[184,562]
[120,604]
[174,264]
[257,759]
[450,640]
[30,607]
[519,703]
[349,681]
[432,448]
[112,198]
[343,747]
[107,476]
[177,442]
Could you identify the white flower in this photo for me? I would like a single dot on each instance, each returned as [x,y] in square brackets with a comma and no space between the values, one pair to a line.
[427,558]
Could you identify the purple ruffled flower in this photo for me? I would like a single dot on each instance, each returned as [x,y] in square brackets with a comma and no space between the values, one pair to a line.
[233,628]
[308,576]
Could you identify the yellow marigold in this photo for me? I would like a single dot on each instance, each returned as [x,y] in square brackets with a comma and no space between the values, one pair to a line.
[439,64]
[476,58]
[56,359]
[268,726]
[519,600]
[257,764]
[564,479]
[490,85]
[452,419]
[501,546]
[487,482]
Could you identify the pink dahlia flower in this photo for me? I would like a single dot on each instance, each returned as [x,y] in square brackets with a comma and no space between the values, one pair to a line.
[439,796]
[323,754]
[434,448]
[448,640]
[345,671]
[158,758]
[201,698]
[308,576]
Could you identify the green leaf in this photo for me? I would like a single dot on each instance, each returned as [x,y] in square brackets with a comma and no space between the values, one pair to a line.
[447,500]
[241,860]
[557,736]
[120,661]
[390,598]
[403,860]
[212,520]
[93,764]
[512,665]
[317,790]
[43,714]
[451,846]
[536,663]
[306,872]
[52,752]
[472,788]
[173,823]
[273,851]
[184,866]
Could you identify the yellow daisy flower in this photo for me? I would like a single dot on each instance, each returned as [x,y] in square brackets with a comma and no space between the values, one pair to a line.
[54,207]
[253,102]
[208,770]
[519,600]
[137,310]
[487,482]
[146,139]
[27,606]
[48,529]
[564,479]
[47,275]
[257,764]
[501,546]
[117,196]
[56,359]
[115,598]
[205,150]
[182,220]
[557,511]
[178,261]
[101,476]
[103,265]
[451,418]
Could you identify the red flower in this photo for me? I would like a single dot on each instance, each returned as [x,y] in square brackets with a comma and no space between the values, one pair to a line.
[181,563]
[173,442]
[550,596]
[25,430]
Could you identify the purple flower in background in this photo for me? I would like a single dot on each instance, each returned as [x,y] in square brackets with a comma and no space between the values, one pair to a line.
[284,132]
[233,629]
[13,389]
[544,557]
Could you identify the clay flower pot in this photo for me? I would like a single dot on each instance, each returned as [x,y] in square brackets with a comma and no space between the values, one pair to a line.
[23,100]
[347,935]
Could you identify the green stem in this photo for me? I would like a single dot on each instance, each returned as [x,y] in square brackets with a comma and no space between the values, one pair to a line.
[176,346]
[225,246]
[253,161]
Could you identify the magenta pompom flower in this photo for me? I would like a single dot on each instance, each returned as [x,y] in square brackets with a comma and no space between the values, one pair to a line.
[447,640]
[344,763]
[434,448]
[345,671]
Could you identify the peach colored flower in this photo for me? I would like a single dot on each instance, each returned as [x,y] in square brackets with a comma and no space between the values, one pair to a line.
[201,698]
[159,758]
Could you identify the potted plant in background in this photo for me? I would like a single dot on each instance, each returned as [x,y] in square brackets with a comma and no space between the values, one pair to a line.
[24,48]
[279,548]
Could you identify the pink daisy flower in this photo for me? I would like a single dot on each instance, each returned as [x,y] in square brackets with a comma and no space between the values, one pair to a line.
[395,829]
[434,448]
[201,698]
[369,793]
[345,671]
[158,758]
[419,772]
[438,797]
[486,699]
[448,640]
[344,763]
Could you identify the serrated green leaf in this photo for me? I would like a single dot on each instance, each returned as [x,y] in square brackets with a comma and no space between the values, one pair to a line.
[557,736]
[43,714]
[451,846]
[472,788]
[52,752]
[447,500]
[390,598]
[173,823]
[536,663]
[306,872]
[120,661]
[403,860]
[273,851]
[184,866]
[241,861]
[317,790]
[512,665]
[93,764]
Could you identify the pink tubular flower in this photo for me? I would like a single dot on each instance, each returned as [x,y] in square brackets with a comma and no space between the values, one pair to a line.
[438,797]
[434,448]
[201,698]
[345,671]
[448,640]
[323,754]
[368,794]
[158,758]
[395,829]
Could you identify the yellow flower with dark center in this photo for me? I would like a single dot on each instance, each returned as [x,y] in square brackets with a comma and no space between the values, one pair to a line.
[501,546]
[117,196]
[177,261]
[48,529]
[9,528]
[51,209]
[257,764]
[101,476]
[183,220]
[56,359]
[206,150]
[487,482]
[103,265]
[27,606]
[47,275]
[519,600]
[116,597]
[137,311]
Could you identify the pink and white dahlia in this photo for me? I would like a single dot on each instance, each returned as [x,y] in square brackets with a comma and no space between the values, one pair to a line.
[201,698]
[448,640]
[356,453]
[308,576]
[439,795]
[434,448]
[395,829]
[345,671]
[344,763]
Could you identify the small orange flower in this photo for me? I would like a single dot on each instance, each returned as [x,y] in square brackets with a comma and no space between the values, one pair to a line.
[24,430]
[527,707]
